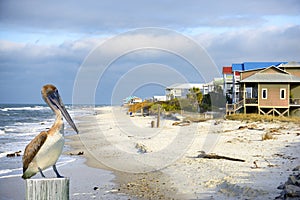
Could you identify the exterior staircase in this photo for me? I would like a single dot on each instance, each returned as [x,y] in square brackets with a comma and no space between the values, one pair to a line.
[233,108]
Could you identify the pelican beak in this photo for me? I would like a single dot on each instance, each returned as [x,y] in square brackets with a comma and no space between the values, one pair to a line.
[55,99]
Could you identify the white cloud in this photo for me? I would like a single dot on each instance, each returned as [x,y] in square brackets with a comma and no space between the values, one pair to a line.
[263,44]
[47,41]
[101,16]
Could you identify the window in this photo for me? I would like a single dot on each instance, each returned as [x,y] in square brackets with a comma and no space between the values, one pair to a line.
[282,93]
[248,92]
[264,93]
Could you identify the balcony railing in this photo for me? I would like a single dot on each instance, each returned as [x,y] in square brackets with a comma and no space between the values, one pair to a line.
[232,108]
[295,102]
[251,101]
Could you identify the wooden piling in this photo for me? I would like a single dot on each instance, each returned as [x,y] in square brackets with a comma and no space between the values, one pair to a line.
[47,188]
[158,117]
[152,124]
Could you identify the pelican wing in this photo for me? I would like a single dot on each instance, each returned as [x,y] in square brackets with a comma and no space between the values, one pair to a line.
[32,149]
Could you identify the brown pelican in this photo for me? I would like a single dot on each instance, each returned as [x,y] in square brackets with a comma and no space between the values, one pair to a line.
[44,150]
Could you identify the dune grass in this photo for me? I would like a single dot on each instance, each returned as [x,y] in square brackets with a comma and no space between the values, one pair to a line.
[265,118]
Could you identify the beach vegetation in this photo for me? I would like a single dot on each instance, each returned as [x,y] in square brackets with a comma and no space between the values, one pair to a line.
[195,101]
[171,105]
[262,118]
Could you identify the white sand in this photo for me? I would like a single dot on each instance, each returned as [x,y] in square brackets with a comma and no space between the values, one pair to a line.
[129,144]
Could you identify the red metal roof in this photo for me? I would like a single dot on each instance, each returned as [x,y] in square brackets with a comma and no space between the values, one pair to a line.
[227,70]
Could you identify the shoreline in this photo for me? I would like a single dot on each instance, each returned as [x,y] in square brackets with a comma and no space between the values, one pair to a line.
[268,162]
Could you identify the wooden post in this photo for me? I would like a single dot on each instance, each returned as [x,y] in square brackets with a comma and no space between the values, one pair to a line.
[152,124]
[158,117]
[47,188]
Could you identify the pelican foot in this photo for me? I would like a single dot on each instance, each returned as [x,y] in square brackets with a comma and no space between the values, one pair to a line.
[56,172]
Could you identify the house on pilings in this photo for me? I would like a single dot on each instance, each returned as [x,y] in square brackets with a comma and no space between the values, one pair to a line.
[269,91]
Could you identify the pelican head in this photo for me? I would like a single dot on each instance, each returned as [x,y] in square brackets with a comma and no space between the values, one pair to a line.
[52,98]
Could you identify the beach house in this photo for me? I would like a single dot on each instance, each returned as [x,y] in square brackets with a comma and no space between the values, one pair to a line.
[131,100]
[272,90]
[180,90]
[231,76]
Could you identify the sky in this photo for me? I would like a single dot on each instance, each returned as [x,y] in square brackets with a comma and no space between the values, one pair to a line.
[144,45]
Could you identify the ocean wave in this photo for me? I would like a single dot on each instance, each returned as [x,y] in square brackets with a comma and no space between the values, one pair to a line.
[25,108]
[11,176]
[22,131]
[25,134]
[9,173]
[3,154]
[2,132]
[5,171]
[8,130]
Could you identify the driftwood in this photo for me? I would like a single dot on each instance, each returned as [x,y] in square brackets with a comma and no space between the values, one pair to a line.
[215,156]
[77,154]
[17,153]
[182,123]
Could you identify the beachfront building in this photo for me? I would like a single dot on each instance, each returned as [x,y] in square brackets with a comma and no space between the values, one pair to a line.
[132,100]
[159,98]
[231,76]
[272,90]
[180,90]
[228,80]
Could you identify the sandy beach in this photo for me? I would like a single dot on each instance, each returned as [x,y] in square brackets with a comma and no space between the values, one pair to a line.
[124,158]
[166,162]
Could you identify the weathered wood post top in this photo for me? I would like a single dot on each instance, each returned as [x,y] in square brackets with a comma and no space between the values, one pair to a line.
[47,188]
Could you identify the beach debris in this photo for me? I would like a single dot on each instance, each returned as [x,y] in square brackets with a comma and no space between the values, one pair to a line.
[269,164]
[152,124]
[238,139]
[182,123]
[141,148]
[242,127]
[284,156]
[77,154]
[215,156]
[217,122]
[17,153]
[251,127]
[255,165]
[96,188]
[273,130]
[291,188]
[267,136]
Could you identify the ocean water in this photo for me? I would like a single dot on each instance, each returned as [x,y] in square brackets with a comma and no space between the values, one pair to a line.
[19,124]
